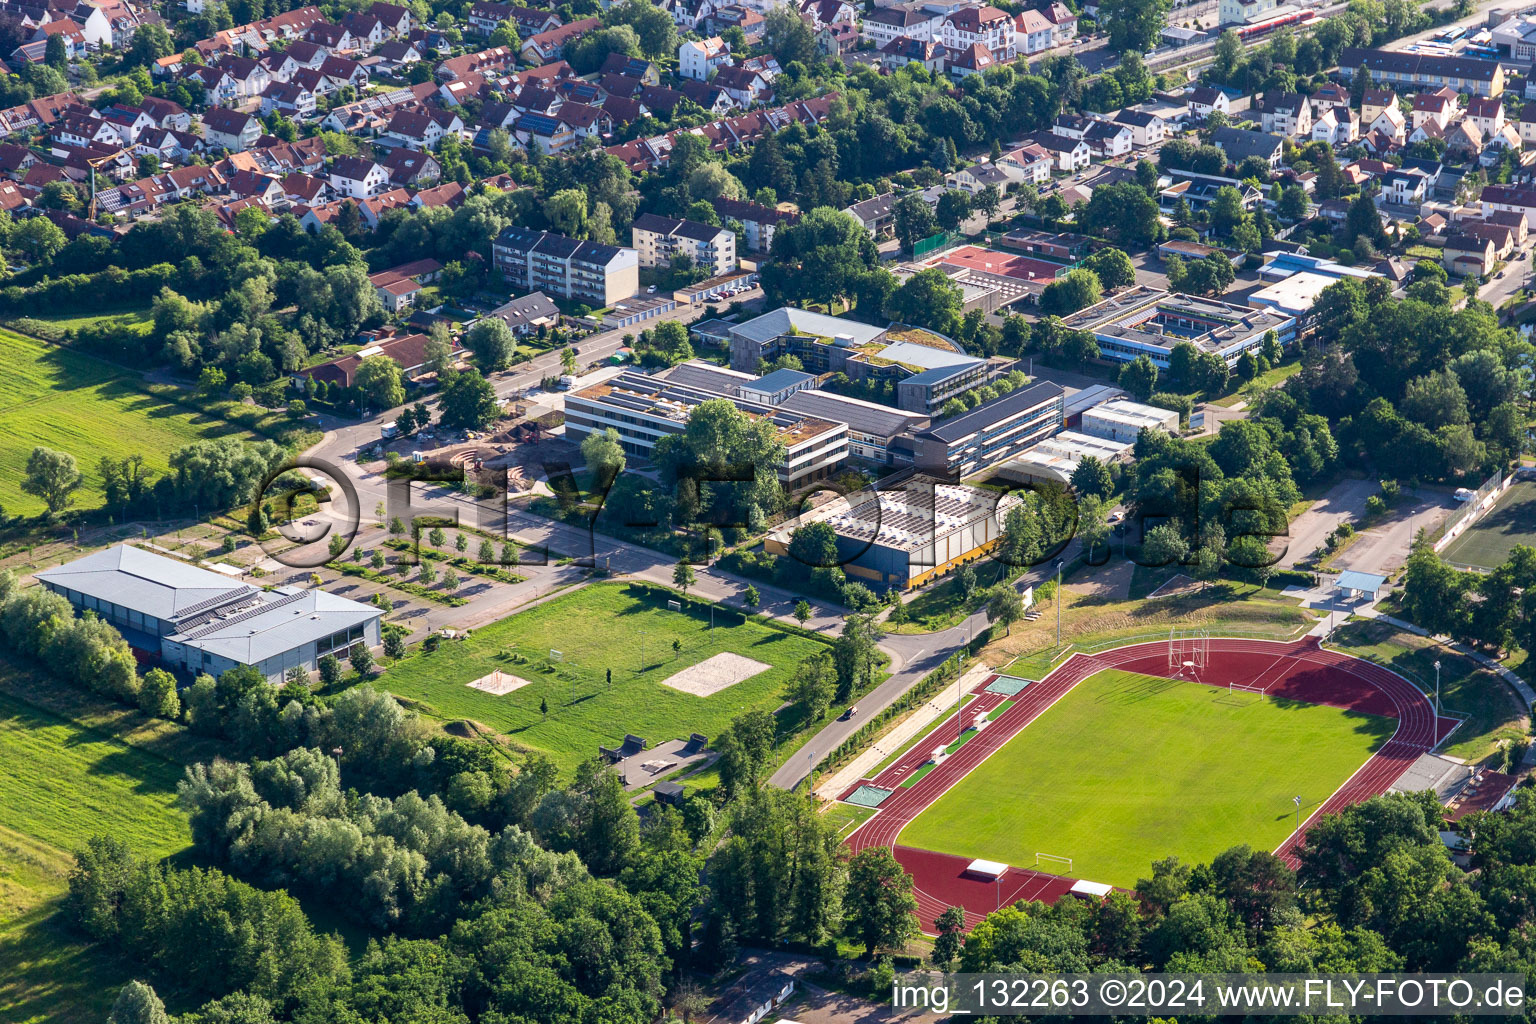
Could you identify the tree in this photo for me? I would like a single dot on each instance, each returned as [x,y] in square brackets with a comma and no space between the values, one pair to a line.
[566,212]
[1364,221]
[951,927]
[1005,606]
[814,545]
[813,685]
[330,671]
[136,1002]
[1093,523]
[157,694]
[52,477]
[603,454]
[788,37]
[468,401]
[1139,377]
[55,53]
[1125,212]
[953,207]
[1293,203]
[492,343]
[1092,477]
[1164,545]
[1075,290]
[380,382]
[1112,267]
[880,906]
[802,611]
[362,659]
[928,299]
[914,220]
[149,46]
[683,576]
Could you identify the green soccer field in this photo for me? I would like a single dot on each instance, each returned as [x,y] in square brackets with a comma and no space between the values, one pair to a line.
[1488,542]
[598,628]
[1127,769]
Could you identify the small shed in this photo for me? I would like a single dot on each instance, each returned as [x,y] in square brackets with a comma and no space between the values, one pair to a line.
[988,869]
[1360,584]
[670,793]
[1091,891]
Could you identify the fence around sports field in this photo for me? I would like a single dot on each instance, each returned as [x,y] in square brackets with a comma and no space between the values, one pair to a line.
[1487,496]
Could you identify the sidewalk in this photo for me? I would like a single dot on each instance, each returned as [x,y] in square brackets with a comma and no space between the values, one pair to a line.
[897,736]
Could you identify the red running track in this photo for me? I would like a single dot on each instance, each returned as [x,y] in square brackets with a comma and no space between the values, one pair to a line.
[1296,670]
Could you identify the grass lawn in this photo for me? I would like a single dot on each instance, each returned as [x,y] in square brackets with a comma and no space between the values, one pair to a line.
[1488,542]
[64,783]
[76,403]
[1126,769]
[598,628]
[131,316]
[1465,686]
[847,817]
[1272,377]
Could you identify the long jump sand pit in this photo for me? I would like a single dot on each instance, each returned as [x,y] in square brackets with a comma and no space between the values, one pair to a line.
[714,674]
[498,683]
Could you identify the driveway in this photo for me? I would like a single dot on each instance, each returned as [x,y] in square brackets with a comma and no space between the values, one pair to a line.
[1383,548]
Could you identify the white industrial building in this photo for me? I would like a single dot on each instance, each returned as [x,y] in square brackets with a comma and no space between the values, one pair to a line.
[1055,460]
[1123,421]
[195,620]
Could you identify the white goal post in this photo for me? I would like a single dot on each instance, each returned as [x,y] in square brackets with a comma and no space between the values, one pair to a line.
[675,606]
[1248,688]
[1053,861]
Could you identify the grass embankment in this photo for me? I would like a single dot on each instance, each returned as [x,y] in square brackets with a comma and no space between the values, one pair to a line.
[74,766]
[1466,688]
[1126,769]
[1088,621]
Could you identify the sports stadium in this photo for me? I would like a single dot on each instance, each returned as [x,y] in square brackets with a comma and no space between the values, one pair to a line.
[1078,781]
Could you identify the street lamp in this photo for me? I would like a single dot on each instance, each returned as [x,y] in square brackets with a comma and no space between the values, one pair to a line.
[1059,563]
[1297,801]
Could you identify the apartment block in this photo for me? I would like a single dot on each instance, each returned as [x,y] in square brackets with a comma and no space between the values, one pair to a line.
[588,272]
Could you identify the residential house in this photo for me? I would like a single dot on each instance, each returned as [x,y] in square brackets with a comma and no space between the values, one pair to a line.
[661,240]
[228,129]
[751,23]
[1337,126]
[700,59]
[527,314]
[1107,139]
[358,177]
[1285,113]
[1147,129]
[587,272]
[1033,31]
[1032,161]
[546,47]
[1487,113]
[398,287]
[976,177]
[1069,155]
[985,26]
[906,21]
[631,67]
[758,223]
[1064,19]
[929,54]
[1437,106]
[546,131]
[745,87]
[1404,187]
[410,168]
[290,99]
[1205,99]
[971,60]
[878,215]
[1467,255]
[1239,144]
[417,129]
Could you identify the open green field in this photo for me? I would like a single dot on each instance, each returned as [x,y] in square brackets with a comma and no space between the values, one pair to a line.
[1488,542]
[598,628]
[76,403]
[1126,769]
[63,784]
